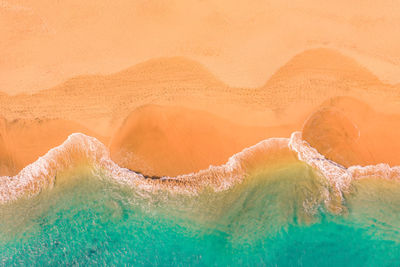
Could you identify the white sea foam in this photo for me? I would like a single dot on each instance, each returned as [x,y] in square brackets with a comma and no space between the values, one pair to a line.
[80,148]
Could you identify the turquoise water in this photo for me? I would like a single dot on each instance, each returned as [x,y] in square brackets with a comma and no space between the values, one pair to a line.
[274,218]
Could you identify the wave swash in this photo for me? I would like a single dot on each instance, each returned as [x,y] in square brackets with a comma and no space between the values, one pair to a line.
[83,149]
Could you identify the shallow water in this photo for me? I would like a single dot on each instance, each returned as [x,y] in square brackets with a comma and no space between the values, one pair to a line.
[276,216]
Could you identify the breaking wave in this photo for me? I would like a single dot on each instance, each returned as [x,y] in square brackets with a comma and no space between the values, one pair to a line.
[82,149]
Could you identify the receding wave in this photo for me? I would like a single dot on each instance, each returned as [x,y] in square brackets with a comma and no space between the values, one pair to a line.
[82,149]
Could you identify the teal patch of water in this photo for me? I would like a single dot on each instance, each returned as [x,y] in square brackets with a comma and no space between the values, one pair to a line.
[273,219]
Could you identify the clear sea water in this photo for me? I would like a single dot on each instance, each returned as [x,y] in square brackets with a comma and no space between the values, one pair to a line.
[275,218]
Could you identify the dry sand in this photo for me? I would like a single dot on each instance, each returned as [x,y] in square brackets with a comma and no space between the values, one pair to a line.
[45,42]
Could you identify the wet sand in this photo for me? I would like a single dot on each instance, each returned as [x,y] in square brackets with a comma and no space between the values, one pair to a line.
[350,132]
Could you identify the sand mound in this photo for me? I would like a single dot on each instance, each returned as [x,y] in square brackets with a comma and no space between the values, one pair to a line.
[319,74]
[159,73]
[171,69]
[349,132]
[164,140]
[24,141]
[101,102]
[325,62]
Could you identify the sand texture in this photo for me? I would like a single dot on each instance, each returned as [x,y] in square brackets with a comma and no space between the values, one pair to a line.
[169,116]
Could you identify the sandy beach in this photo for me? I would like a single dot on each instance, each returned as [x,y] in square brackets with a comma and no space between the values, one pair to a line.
[199,133]
[175,106]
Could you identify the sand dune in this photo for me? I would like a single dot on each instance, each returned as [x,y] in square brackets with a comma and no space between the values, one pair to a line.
[317,75]
[160,140]
[350,132]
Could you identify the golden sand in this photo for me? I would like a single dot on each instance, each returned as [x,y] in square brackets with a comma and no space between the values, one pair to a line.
[24,141]
[174,86]
[169,116]
[160,140]
[45,43]
[350,132]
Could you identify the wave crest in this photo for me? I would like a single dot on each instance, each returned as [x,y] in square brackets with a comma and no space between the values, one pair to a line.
[79,148]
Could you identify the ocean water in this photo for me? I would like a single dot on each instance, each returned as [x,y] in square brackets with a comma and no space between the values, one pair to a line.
[277,216]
